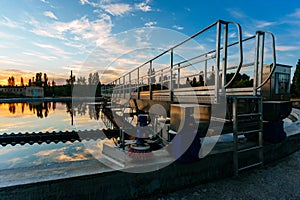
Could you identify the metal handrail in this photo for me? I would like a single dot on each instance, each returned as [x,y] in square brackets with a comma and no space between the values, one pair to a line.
[121,85]
[175,46]
[274,60]
[241,54]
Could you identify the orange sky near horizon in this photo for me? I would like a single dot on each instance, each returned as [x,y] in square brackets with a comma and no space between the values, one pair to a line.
[17,74]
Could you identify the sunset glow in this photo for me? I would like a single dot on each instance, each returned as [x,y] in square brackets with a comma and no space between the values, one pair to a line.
[55,37]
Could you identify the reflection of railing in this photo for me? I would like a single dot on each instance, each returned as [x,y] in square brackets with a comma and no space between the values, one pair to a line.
[170,77]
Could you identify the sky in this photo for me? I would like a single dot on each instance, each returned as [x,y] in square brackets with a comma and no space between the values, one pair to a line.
[55,37]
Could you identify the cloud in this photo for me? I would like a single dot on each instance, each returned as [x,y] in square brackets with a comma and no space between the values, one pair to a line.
[83,29]
[286,48]
[143,6]
[55,50]
[296,14]
[45,1]
[9,23]
[10,36]
[50,15]
[93,4]
[4,61]
[235,13]
[149,24]
[232,35]
[187,9]
[5,73]
[39,55]
[263,24]
[178,27]
[117,9]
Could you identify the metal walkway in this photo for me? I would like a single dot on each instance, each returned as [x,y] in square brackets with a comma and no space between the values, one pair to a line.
[151,82]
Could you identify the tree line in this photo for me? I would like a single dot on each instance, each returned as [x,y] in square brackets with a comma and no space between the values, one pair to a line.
[52,89]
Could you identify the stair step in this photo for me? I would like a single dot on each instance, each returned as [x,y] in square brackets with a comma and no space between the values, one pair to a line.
[248,97]
[249,149]
[247,132]
[250,166]
[249,115]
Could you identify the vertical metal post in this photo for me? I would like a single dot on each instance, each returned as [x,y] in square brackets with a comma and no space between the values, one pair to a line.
[171,76]
[260,133]
[150,80]
[178,76]
[217,68]
[162,79]
[130,87]
[224,67]
[138,84]
[235,137]
[122,138]
[256,62]
[124,90]
[261,59]
[205,70]
[119,88]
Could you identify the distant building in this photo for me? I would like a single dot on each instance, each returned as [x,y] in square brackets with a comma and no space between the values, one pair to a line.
[32,91]
[17,90]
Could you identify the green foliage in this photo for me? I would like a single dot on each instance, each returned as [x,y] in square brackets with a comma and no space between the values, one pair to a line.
[295,87]
[241,80]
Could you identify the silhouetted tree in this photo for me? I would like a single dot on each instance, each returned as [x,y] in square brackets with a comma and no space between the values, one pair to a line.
[93,78]
[71,79]
[81,80]
[295,87]
[38,79]
[194,83]
[22,82]
[45,80]
[11,81]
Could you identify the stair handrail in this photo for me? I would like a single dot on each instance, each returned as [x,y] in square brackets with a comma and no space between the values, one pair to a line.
[273,65]
[240,42]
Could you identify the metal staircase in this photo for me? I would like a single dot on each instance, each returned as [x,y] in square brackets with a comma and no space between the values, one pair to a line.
[247,121]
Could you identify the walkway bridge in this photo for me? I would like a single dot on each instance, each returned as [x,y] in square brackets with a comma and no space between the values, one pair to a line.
[169,83]
[213,79]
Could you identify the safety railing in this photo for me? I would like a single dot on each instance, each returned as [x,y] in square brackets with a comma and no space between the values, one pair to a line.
[259,61]
[171,76]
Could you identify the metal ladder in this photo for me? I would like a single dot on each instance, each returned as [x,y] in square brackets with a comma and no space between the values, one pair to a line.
[247,120]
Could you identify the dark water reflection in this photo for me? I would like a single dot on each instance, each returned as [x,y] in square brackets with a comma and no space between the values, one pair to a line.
[49,116]
[42,109]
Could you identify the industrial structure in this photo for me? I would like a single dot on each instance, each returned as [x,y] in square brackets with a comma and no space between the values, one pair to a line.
[249,110]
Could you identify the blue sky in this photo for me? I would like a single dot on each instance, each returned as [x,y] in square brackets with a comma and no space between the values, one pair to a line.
[55,36]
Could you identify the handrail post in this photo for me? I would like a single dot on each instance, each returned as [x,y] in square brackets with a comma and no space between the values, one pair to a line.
[224,67]
[178,76]
[256,62]
[205,70]
[162,80]
[217,68]
[124,90]
[130,87]
[261,59]
[138,82]
[150,80]
[171,76]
